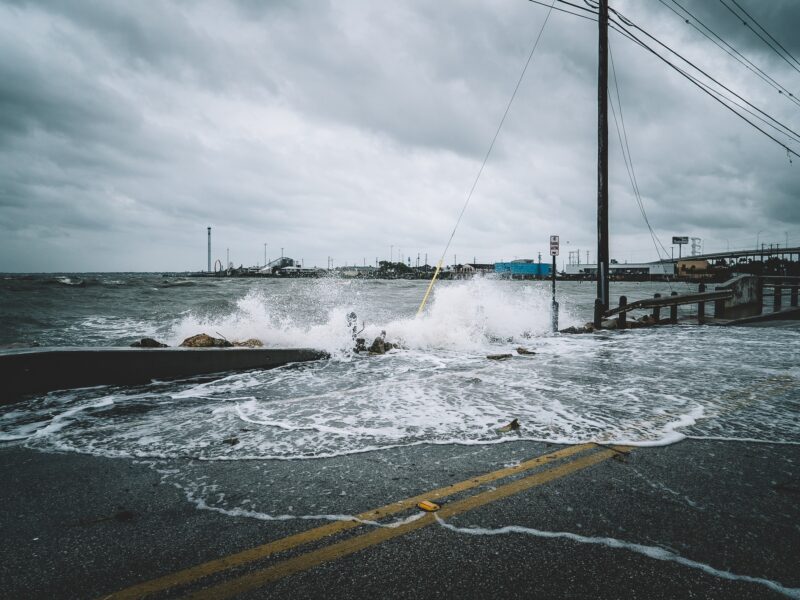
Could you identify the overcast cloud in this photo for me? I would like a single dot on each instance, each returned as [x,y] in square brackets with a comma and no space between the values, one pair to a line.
[344,128]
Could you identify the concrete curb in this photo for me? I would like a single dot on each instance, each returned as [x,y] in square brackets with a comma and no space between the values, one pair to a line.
[36,370]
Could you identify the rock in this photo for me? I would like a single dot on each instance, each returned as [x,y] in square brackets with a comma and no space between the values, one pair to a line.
[378,346]
[231,441]
[498,356]
[148,343]
[203,340]
[588,328]
[513,426]
[525,351]
[609,324]
[361,345]
[251,343]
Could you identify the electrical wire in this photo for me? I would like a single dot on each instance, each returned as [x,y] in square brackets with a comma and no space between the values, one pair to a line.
[588,18]
[488,153]
[792,63]
[628,160]
[619,28]
[723,45]
[770,121]
[789,54]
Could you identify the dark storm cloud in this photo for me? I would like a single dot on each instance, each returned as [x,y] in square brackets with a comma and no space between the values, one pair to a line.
[345,128]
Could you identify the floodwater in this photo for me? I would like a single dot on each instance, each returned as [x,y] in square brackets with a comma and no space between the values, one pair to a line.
[642,387]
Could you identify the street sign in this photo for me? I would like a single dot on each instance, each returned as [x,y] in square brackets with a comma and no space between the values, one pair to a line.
[680,239]
[554,245]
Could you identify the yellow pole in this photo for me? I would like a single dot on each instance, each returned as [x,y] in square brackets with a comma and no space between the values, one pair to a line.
[430,287]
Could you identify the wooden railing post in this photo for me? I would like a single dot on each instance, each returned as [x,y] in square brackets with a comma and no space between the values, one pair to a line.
[673,310]
[719,309]
[701,306]
[776,301]
[622,318]
[656,310]
[598,313]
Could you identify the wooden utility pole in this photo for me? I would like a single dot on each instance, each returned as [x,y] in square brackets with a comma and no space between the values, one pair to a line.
[602,164]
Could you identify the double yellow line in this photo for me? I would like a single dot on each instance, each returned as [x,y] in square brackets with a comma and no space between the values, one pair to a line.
[261,577]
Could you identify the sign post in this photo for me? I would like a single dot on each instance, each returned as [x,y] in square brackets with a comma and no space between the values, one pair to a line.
[680,241]
[554,252]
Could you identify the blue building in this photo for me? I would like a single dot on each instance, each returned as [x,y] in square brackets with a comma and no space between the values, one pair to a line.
[522,268]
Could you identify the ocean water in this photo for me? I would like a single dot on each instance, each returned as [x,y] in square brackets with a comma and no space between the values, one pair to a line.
[642,387]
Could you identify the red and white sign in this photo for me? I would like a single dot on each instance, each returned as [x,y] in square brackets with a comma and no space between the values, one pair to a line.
[553,245]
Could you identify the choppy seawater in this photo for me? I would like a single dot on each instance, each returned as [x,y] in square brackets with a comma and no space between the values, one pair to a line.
[643,387]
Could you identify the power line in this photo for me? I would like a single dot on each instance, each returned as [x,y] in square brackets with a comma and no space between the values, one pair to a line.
[770,120]
[726,47]
[718,96]
[588,18]
[792,63]
[619,28]
[628,158]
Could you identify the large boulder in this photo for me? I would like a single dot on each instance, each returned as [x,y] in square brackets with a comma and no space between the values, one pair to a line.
[203,340]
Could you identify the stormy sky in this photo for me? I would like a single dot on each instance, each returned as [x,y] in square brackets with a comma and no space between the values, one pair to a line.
[355,129]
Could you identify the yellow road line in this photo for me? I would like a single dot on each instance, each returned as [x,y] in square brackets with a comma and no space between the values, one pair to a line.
[344,548]
[191,574]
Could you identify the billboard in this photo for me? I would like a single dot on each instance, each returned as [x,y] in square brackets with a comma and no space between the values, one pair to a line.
[680,239]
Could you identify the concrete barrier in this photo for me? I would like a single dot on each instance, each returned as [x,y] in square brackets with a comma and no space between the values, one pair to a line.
[746,299]
[36,370]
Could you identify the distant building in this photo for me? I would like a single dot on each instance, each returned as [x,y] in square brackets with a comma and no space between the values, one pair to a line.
[658,269]
[356,271]
[278,264]
[522,268]
[476,268]
[693,268]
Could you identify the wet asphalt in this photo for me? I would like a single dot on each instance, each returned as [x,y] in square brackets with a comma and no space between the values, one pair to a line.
[80,526]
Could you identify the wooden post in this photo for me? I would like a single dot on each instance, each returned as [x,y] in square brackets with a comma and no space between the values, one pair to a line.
[598,313]
[776,302]
[719,308]
[623,316]
[793,295]
[656,310]
[555,304]
[701,306]
[673,310]
[602,154]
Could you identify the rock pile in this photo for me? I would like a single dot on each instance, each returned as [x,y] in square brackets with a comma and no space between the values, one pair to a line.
[380,345]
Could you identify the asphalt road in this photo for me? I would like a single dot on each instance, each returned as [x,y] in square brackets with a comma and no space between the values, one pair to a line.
[698,519]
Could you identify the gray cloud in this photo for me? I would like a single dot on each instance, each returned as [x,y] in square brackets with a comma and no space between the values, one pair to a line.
[343,128]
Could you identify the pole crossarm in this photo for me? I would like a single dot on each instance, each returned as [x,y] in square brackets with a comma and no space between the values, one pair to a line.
[671,301]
